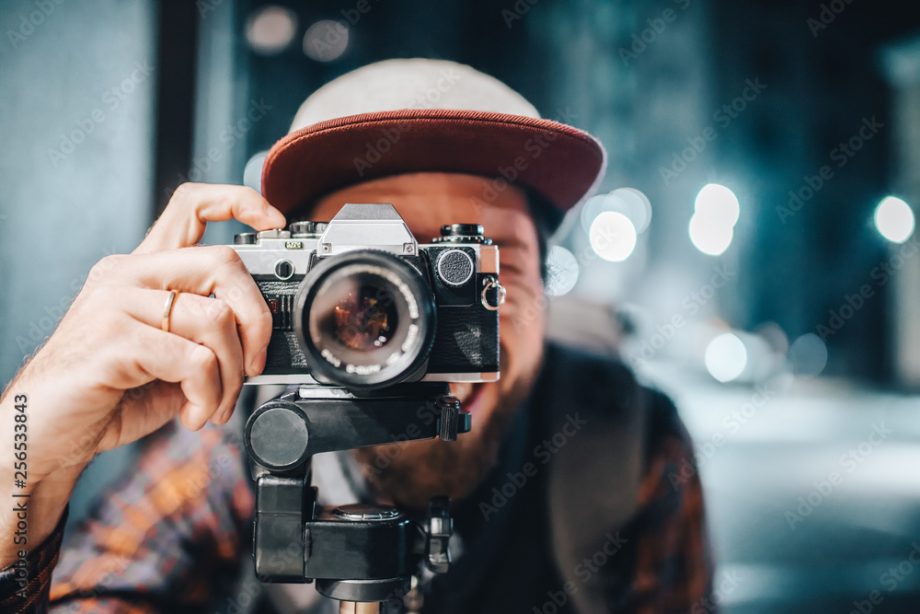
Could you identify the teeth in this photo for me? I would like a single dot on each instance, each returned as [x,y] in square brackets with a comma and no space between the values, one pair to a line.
[461,390]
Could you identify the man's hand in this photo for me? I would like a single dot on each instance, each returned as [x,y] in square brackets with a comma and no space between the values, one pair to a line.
[109,375]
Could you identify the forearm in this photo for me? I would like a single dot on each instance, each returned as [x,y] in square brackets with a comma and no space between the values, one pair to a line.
[25,584]
[32,513]
[30,503]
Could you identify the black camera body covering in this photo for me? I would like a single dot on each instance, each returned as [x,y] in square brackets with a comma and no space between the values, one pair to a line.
[358,302]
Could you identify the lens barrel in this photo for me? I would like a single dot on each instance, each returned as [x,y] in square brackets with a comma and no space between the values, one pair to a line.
[365,318]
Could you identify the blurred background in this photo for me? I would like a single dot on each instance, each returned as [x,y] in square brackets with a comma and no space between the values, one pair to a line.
[752,251]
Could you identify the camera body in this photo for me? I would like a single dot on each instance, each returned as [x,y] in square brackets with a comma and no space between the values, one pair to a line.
[358,303]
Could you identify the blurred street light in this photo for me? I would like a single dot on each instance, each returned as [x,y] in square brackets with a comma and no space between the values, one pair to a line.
[629,201]
[716,211]
[561,271]
[726,357]
[325,40]
[719,203]
[271,29]
[612,236]
[808,355]
[710,236]
[894,219]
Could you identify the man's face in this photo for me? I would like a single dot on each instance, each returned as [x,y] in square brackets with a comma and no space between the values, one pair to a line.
[411,472]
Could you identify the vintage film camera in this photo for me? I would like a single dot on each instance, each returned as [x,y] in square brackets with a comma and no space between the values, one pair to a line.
[358,302]
[369,328]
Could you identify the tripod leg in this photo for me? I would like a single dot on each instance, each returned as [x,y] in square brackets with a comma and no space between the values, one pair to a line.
[355,607]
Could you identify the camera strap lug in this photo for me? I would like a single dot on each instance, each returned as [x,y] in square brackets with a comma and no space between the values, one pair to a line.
[493,293]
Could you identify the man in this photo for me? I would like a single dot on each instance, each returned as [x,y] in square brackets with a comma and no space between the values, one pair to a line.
[575,491]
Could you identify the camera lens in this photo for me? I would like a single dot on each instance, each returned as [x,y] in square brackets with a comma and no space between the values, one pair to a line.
[366,319]
[363,316]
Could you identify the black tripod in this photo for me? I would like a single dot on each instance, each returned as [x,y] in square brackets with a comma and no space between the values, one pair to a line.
[361,555]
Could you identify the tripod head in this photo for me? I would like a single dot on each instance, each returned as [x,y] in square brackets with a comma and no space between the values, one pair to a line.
[355,553]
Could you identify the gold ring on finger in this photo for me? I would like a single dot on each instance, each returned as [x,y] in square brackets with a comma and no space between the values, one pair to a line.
[167,310]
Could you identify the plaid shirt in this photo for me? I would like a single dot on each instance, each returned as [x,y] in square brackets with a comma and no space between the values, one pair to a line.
[175,533]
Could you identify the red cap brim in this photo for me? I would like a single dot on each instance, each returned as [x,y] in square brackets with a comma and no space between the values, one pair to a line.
[559,162]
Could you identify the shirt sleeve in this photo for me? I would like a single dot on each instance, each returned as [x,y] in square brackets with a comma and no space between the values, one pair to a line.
[166,538]
[668,564]
[24,585]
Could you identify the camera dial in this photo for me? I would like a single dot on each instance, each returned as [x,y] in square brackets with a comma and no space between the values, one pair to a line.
[462,233]
[307,228]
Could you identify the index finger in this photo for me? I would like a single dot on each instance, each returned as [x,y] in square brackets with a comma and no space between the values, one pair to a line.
[193,205]
[215,270]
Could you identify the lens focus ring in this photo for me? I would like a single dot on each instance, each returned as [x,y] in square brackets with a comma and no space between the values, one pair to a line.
[366,319]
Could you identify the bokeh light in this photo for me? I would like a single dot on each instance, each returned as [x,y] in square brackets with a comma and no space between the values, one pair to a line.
[719,203]
[635,205]
[776,338]
[561,271]
[726,357]
[808,355]
[715,212]
[629,201]
[612,236]
[325,40]
[709,235]
[271,29]
[894,219]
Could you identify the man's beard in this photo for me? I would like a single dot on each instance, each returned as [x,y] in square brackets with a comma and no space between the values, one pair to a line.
[410,473]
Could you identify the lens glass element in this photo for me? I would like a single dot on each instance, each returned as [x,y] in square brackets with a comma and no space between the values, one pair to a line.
[365,316]
[366,322]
